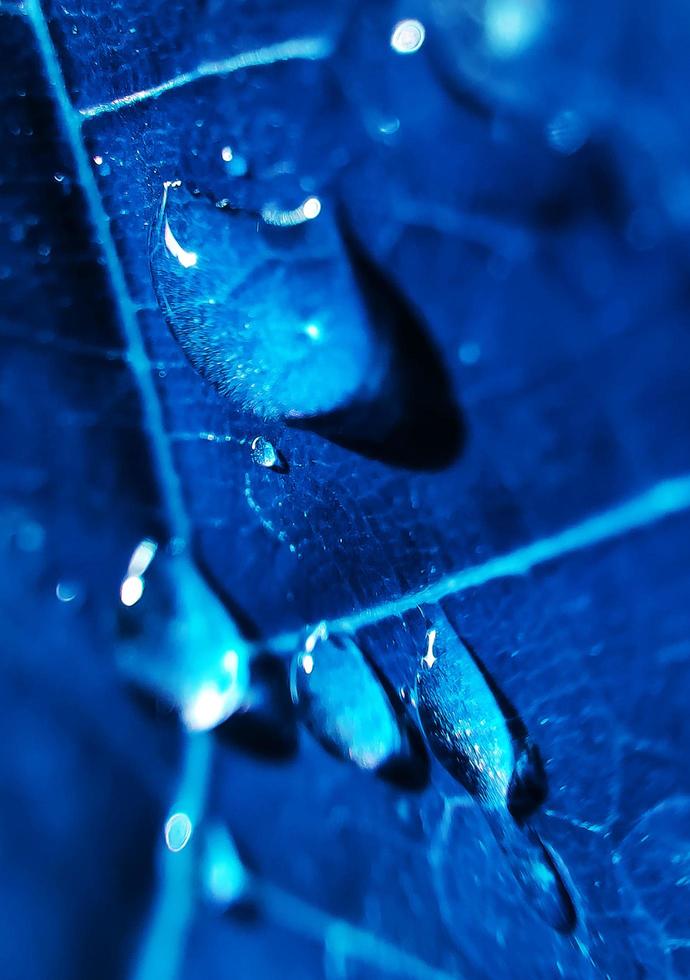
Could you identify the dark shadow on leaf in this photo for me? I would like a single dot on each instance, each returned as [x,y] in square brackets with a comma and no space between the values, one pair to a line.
[414,420]
[268,727]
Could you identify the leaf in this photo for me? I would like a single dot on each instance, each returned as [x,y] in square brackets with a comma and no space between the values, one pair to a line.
[552,287]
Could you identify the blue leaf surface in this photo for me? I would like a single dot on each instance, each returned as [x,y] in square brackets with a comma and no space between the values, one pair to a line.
[518,190]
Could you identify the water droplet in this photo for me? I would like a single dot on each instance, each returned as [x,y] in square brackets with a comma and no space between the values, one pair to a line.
[408,36]
[225,880]
[343,703]
[66,591]
[179,642]
[264,453]
[462,722]
[264,305]
[178,830]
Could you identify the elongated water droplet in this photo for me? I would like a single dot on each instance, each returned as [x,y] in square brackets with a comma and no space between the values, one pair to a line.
[463,724]
[343,703]
[180,643]
[469,734]
[264,305]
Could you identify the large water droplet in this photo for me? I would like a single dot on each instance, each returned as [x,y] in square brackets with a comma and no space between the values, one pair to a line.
[343,703]
[264,304]
[180,643]
[462,721]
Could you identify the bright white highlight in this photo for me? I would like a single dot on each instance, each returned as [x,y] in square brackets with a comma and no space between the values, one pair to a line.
[214,701]
[178,830]
[307,663]
[429,659]
[311,208]
[307,211]
[131,590]
[408,36]
[205,710]
[226,154]
[186,259]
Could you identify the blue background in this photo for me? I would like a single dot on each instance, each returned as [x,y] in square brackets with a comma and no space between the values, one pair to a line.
[554,285]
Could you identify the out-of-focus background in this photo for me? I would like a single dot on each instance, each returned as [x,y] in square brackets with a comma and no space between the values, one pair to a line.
[498,194]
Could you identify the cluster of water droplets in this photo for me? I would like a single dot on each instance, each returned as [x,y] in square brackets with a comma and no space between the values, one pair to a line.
[346,705]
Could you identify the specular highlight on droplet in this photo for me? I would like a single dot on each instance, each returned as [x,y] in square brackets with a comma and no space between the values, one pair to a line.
[264,303]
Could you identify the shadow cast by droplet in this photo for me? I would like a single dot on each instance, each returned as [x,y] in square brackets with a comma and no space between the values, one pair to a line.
[528,788]
[411,768]
[268,727]
[281,466]
[413,421]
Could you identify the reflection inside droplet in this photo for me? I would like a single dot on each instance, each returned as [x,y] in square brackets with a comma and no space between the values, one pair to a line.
[343,703]
[247,295]
[178,830]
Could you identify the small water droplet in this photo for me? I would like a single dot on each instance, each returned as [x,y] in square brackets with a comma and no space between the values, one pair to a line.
[264,306]
[343,703]
[178,830]
[264,453]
